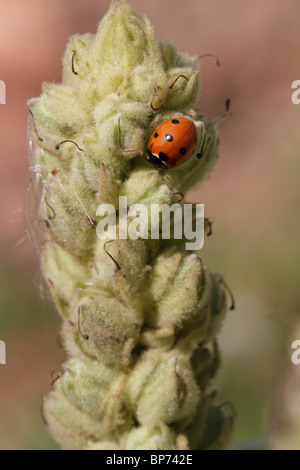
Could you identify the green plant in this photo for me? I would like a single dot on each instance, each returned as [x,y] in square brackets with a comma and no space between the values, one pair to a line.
[141,340]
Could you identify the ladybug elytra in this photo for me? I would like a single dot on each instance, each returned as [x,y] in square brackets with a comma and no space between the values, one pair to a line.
[172,143]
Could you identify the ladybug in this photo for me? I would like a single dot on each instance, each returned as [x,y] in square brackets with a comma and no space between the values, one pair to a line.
[173,143]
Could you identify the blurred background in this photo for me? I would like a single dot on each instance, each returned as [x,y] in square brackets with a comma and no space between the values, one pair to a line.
[253,196]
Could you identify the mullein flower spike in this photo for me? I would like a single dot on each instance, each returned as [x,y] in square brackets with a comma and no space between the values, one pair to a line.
[141,340]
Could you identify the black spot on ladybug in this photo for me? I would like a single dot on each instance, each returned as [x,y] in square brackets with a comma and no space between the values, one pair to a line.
[182,151]
[195,140]
[199,155]
[169,137]
[163,156]
[156,135]
[175,121]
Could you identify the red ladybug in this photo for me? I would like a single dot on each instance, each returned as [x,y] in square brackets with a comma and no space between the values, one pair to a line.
[172,143]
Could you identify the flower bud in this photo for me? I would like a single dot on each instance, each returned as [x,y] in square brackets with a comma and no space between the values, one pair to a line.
[140,316]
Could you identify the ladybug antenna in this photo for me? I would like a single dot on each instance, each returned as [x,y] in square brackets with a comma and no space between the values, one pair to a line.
[111,257]
[120,142]
[228,112]
[83,336]
[57,146]
[177,78]
[220,278]
[34,125]
[73,69]
[217,61]
[151,104]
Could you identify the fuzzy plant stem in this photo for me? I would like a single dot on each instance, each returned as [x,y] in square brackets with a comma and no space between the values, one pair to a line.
[140,340]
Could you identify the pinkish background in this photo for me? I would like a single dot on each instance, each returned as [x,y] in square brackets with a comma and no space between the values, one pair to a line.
[253,195]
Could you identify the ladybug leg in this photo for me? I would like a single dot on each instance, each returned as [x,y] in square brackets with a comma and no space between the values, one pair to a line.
[155,161]
[120,141]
